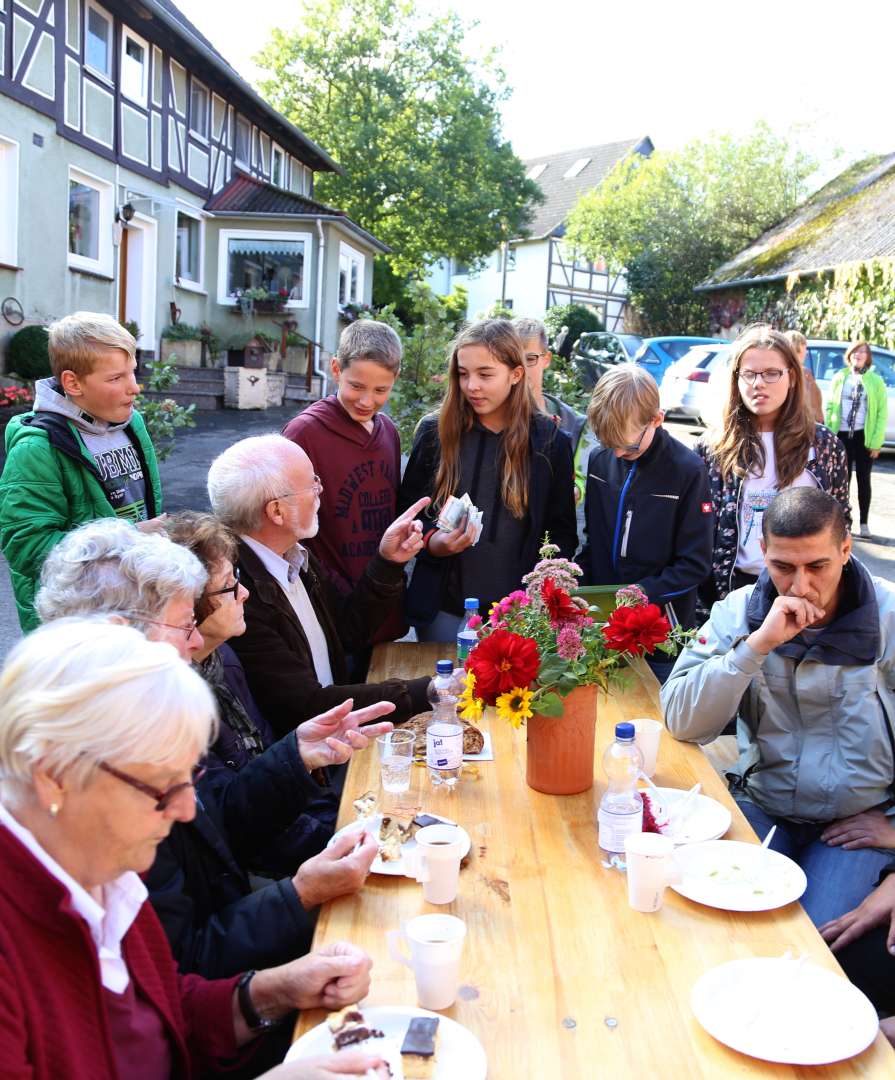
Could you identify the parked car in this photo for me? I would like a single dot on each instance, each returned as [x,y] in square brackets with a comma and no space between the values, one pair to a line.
[593,354]
[657,354]
[825,358]
[685,389]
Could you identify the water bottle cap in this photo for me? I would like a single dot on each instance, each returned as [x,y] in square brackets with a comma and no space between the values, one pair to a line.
[446,667]
[471,603]
[625,731]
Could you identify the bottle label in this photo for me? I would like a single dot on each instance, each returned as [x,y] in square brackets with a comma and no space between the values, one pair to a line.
[614,827]
[466,642]
[444,746]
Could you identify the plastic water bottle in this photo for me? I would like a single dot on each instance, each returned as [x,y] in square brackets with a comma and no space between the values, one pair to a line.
[621,808]
[467,637]
[444,732]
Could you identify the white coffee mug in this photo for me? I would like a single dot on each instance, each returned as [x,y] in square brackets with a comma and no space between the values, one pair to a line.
[436,945]
[651,867]
[435,861]
[646,738]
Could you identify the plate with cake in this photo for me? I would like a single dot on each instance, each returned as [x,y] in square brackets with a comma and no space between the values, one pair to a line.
[417,1044]
[396,837]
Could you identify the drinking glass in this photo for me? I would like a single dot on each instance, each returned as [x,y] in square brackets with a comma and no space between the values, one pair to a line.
[395,760]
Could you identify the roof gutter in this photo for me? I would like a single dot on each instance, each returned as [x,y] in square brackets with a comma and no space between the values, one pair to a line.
[223,68]
[337,219]
[767,279]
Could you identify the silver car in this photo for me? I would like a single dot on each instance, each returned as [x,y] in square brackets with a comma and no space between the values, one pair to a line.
[685,389]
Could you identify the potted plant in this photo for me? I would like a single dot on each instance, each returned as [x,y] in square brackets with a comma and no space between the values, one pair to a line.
[542,656]
[296,359]
[182,344]
[266,301]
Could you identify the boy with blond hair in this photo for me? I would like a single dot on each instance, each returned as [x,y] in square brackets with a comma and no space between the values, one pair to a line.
[83,453]
[647,510]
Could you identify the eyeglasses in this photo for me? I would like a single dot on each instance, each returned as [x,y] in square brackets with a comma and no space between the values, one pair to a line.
[189,629]
[316,487]
[163,799]
[635,447]
[531,358]
[234,588]
[769,375]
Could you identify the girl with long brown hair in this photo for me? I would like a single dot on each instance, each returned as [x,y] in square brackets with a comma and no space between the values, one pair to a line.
[768,441]
[487,439]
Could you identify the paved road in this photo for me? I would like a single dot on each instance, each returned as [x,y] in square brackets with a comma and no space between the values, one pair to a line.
[183,479]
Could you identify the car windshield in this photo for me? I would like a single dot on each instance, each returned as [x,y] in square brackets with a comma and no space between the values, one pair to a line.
[632,342]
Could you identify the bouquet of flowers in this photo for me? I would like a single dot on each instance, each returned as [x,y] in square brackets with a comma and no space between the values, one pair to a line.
[542,642]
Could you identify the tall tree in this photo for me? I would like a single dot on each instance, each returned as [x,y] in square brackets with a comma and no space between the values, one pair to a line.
[412,120]
[668,220]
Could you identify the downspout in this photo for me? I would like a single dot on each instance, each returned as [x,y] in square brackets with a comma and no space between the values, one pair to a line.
[318,316]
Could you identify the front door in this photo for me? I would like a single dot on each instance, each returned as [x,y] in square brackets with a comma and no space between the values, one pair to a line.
[139,272]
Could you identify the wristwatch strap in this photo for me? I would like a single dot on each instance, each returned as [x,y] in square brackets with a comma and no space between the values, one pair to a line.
[253,1021]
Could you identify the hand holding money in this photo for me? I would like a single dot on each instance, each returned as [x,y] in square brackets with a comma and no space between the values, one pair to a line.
[460,514]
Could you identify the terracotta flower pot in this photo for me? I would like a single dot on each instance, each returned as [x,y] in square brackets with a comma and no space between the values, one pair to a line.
[560,757]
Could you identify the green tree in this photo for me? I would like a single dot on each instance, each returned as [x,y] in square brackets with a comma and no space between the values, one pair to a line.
[413,122]
[668,220]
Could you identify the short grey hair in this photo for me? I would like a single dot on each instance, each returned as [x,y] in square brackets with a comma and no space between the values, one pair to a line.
[110,566]
[531,328]
[80,691]
[367,339]
[247,476]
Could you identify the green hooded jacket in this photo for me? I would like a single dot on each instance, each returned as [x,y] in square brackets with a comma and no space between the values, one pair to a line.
[50,485]
[877,406]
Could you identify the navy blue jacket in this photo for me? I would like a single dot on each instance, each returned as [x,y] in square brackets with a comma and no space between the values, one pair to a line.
[649,522]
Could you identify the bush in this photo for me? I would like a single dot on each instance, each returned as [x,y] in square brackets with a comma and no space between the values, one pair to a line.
[579,320]
[182,332]
[163,418]
[28,354]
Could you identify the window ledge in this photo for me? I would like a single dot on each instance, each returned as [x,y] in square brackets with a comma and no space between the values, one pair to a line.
[188,286]
[98,274]
[10,266]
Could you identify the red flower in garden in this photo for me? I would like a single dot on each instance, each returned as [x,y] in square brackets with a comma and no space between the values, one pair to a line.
[636,629]
[559,604]
[502,662]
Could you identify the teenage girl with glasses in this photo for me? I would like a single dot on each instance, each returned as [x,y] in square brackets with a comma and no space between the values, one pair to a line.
[768,441]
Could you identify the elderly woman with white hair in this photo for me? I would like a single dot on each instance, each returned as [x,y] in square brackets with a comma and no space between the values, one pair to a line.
[100,734]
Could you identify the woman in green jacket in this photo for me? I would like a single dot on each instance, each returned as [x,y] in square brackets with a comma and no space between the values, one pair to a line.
[857,411]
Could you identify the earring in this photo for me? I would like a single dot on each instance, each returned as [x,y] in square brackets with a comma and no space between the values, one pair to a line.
[54,810]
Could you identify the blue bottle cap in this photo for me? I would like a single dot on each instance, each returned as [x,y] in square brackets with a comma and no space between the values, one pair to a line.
[446,667]
[471,603]
[625,731]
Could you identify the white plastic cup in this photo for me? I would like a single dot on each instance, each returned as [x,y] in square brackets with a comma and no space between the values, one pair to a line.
[651,867]
[436,946]
[435,861]
[647,735]
[395,759]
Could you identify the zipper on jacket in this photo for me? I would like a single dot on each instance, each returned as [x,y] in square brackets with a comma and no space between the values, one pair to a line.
[733,565]
[619,512]
[623,551]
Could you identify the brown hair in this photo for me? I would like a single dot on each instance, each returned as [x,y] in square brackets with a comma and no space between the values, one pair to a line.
[853,348]
[77,341]
[626,393]
[209,539]
[456,417]
[796,338]
[739,449]
[367,339]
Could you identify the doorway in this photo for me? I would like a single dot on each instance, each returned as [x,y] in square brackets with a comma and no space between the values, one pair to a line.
[138,277]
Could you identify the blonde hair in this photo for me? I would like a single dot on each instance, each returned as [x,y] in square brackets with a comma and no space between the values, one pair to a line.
[626,394]
[80,691]
[797,339]
[738,448]
[456,417]
[77,341]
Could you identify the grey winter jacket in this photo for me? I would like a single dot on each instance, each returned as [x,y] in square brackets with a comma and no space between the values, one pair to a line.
[814,719]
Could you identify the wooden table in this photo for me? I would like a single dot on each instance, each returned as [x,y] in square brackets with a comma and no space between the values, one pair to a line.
[561,978]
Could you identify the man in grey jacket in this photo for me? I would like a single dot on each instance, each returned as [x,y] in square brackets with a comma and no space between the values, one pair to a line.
[805,659]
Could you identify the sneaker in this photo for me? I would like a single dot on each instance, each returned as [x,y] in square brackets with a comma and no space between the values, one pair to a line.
[864,530]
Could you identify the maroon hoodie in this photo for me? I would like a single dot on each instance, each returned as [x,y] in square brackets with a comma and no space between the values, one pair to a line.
[361,472]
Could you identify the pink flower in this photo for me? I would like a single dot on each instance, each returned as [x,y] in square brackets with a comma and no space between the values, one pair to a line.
[568,643]
[475,621]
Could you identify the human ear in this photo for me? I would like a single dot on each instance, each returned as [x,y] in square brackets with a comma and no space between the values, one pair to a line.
[70,383]
[336,369]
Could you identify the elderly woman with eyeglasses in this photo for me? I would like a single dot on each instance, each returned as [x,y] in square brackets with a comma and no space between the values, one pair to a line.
[100,732]
[768,441]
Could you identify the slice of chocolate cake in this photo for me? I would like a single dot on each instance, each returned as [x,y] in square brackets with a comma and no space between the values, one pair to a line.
[418,1048]
[348,1028]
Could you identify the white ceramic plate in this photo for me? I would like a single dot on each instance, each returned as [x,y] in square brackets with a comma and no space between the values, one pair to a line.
[706,818]
[784,1010]
[460,1055]
[396,867]
[735,876]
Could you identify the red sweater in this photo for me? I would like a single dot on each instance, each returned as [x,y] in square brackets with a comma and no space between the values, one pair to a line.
[53,1020]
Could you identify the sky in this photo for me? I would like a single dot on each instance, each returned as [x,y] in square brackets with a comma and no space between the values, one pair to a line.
[587,72]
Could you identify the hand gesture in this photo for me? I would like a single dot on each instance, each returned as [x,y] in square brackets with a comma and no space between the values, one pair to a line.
[870,829]
[332,737]
[345,1063]
[452,543]
[877,910]
[338,870]
[404,537]
[329,978]
[789,615]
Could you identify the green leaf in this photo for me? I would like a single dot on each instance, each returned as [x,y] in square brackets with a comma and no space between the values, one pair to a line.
[549,705]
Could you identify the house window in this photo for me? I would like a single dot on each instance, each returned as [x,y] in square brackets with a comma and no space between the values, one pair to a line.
[189,250]
[278,167]
[198,109]
[98,43]
[351,275]
[9,201]
[243,141]
[134,66]
[275,262]
[89,223]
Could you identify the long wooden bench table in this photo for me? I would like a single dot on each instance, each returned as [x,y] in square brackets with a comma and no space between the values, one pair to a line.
[560,977]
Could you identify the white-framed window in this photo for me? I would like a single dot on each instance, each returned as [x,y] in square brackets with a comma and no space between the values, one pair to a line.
[278,167]
[277,262]
[9,201]
[189,249]
[90,214]
[198,108]
[243,148]
[98,40]
[351,275]
[134,66]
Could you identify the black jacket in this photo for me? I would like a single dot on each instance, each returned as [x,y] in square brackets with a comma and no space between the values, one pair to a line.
[551,509]
[199,883]
[650,523]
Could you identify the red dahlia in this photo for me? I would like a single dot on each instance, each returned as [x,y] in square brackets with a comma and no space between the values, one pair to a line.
[501,662]
[636,629]
[560,606]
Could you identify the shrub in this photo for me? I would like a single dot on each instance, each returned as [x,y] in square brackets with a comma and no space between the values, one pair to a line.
[182,332]
[577,318]
[164,417]
[28,354]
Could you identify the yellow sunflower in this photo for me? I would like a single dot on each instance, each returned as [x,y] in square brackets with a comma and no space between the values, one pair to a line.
[470,706]
[515,706]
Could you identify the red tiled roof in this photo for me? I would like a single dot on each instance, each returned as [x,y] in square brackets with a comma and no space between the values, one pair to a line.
[246,195]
